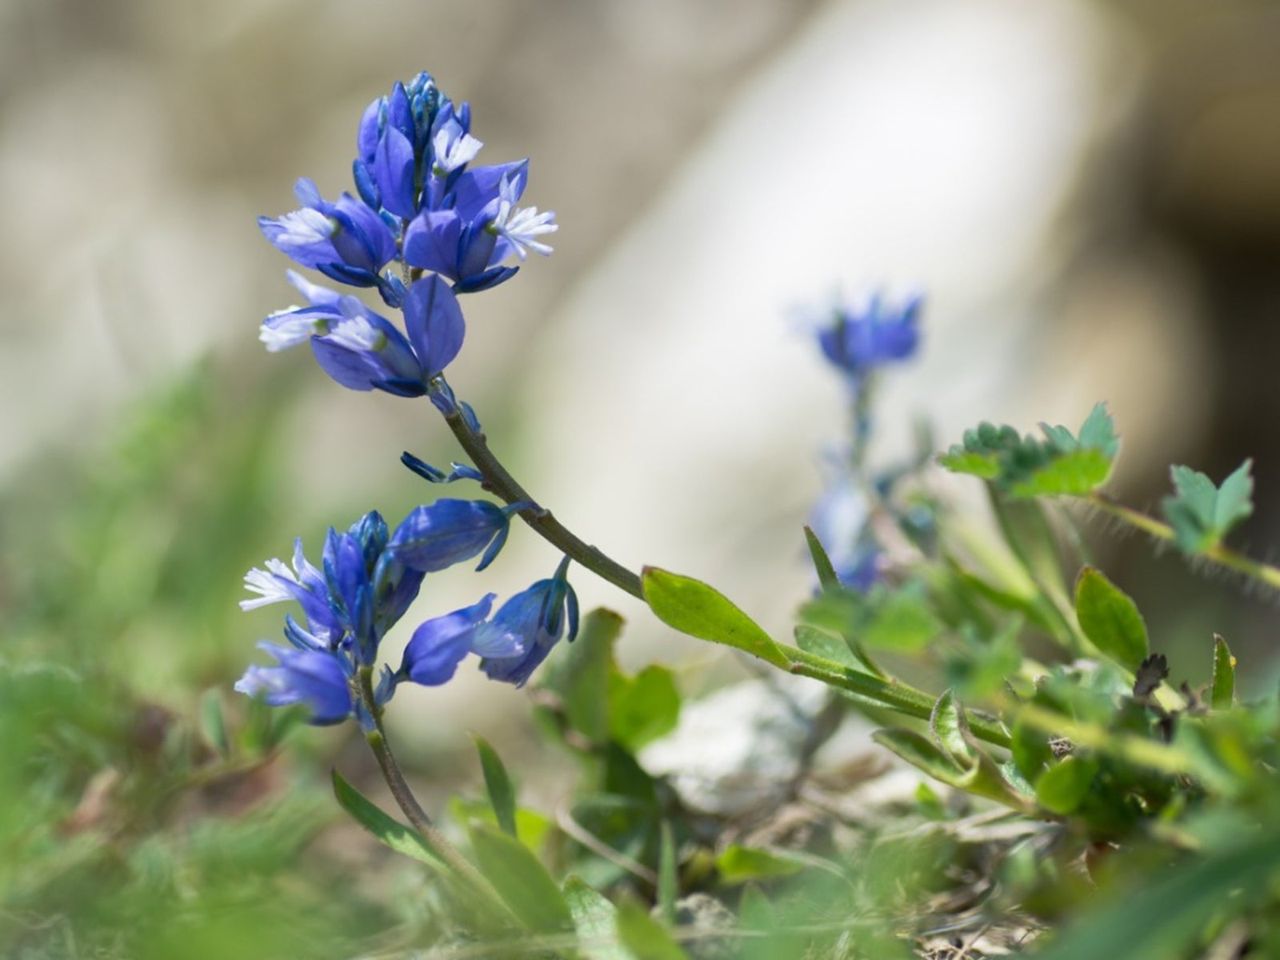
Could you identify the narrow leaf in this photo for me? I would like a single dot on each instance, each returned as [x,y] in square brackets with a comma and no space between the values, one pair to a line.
[738,864]
[521,880]
[1223,690]
[384,827]
[668,873]
[951,730]
[502,795]
[1110,619]
[821,562]
[701,611]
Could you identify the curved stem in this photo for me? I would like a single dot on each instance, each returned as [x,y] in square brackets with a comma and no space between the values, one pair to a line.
[403,794]
[1222,556]
[500,482]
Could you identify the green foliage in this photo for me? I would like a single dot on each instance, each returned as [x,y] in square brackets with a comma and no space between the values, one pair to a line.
[692,607]
[644,937]
[1060,464]
[1110,619]
[1200,513]
[521,880]
[502,794]
[1222,686]
[384,827]
[899,620]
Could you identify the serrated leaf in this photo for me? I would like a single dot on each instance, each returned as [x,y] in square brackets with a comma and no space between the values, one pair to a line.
[959,460]
[1223,689]
[595,920]
[1200,513]
[1062,788]
[521,880]
[502,795]
[644,707]
[1073,474]
[1110,619]
[822,564]
[644,937]
[701,611]
[385,828]
[738,864]
[1098,432]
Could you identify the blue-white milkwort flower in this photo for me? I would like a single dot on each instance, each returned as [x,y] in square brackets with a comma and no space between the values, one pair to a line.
[535,620]
[345,240]
[366,581]
[857,341]
[439,645]
[362,350]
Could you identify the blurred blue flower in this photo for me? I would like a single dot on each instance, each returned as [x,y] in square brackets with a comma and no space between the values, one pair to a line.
[364,351]
[534,621]
[858,341]
[318,679]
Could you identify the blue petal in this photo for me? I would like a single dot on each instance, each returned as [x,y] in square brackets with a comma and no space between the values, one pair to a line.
[393,172]
[438,535]
[367,133]
[434,322]
[314,678]
[478,187]
[440,644]
[431,242]
[350,368]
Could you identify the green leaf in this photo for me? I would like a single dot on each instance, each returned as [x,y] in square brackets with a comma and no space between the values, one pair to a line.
[1164,915]
[385,828]
[1223,689]
[701,611]
[979,775]
[521,880]
[581,675]
[1202,514]
[644,937]
[919,752]
[595,920]
[1073,474]
[902,623]
[644,707]
[1062,788]
[502,795]
[821,562]
[1030,749]
[213,723]
[824,643]
[668,872]
[1110,619]
[738,864]
[951,730]
[1062,464]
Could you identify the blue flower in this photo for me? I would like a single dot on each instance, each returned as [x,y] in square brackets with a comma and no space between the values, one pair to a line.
[439,645]
[449,531]
[859,341]
[364,351]
[319,679]
[476,227]
[533,620]
[346,241]
[367,578]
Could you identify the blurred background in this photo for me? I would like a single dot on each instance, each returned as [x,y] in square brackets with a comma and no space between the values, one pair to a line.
[1087,192]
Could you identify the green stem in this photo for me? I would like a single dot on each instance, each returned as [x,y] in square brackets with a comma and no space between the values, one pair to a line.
[1219,554]
[403,794]
[498,480]
[892,693]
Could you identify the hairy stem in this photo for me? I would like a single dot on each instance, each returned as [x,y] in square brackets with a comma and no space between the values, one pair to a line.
[498,480]
[891,693]
[1219,554]
[403,794]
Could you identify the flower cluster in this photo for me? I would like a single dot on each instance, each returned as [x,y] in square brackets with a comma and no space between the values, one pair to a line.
[424,227]
[367,578]
[420,208]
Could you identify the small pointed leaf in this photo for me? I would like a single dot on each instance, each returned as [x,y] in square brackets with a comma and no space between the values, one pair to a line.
[1110,619]
[701,611]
